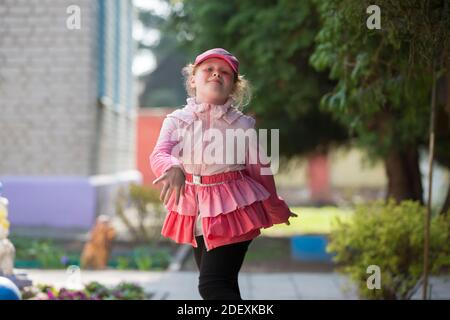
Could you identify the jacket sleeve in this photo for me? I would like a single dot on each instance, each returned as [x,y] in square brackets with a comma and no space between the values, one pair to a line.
[275,206]
[161,158]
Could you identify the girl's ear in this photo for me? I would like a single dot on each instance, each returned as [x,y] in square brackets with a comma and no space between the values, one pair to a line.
[192,82]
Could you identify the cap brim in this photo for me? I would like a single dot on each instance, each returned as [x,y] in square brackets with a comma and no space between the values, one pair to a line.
[219,56]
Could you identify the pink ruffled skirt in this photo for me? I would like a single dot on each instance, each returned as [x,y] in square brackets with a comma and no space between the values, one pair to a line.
[231,210]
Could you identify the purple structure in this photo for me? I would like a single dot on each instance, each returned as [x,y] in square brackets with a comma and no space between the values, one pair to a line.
[63,201]
[50,201]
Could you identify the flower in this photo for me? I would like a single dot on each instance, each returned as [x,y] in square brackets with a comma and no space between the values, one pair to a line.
[92,291]
[64,260]
[50,295]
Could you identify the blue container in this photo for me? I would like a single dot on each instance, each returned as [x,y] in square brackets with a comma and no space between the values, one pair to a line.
[8,290]
[310,248]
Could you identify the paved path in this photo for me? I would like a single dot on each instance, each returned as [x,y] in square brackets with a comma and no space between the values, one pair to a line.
[182,285]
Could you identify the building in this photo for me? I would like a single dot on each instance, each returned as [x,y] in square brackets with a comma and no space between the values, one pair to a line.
[67,108]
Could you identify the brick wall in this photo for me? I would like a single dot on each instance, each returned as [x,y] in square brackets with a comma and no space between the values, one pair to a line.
[50,122]
[47,88]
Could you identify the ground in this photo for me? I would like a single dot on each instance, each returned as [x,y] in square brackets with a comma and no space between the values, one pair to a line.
[270,254]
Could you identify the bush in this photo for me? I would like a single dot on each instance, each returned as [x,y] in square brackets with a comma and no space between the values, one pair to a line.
[144,258]
[141,211]
[46,253]
[390,236]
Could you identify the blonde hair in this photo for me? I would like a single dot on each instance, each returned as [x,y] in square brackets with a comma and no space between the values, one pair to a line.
[241,93]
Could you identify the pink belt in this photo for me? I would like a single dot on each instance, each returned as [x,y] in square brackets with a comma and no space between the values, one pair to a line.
[214,179]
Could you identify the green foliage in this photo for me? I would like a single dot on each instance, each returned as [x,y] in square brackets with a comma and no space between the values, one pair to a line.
[384,76]
[46,253]
[98,289]
[273,40]
[92,291]
[129,291]
[144,258]
[123,263]
[141,211]
[390,236]
[380,79]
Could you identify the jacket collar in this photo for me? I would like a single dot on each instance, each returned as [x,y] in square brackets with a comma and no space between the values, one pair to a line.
[217,110]
[191,110]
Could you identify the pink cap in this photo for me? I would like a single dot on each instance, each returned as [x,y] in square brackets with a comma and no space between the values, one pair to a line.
[220,54]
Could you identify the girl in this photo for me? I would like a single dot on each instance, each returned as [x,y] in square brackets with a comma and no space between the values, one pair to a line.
[216,206]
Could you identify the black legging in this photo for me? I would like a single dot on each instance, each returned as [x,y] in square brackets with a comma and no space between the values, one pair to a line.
[219,270]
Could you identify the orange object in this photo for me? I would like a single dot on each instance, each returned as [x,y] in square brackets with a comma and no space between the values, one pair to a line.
[148,126]
[96,252]
[319,178]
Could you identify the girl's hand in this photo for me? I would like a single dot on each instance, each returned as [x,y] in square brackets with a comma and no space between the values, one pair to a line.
[173,179]
[292,215]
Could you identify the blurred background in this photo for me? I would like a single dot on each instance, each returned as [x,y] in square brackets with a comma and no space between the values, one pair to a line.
[81,107]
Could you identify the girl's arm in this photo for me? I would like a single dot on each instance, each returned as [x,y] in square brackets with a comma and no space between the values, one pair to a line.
[161,158]
[275,206]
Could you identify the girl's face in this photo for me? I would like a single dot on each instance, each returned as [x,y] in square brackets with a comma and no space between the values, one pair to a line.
[213,81]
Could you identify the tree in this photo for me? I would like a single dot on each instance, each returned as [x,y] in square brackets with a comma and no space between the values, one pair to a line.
[163,87]
[385,79]
[273,40]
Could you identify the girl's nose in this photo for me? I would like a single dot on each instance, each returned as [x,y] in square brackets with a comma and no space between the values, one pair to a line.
[215,74]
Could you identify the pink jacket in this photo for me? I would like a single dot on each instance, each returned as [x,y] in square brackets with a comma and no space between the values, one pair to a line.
[231,212]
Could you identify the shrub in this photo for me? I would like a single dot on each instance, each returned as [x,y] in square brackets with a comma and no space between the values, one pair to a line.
[141,211]
[142,259]
[390,236]
[48,254]
[145,258]
[123,263]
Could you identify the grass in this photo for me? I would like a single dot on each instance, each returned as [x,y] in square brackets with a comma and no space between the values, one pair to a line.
[263,249]
[309,221]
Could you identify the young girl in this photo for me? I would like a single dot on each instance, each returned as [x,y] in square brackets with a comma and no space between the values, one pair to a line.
[216,206]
